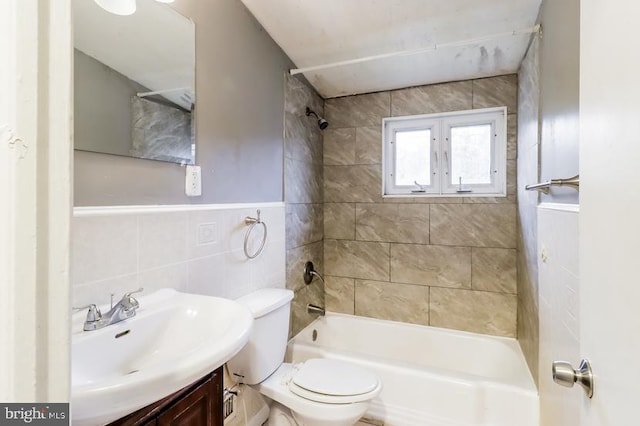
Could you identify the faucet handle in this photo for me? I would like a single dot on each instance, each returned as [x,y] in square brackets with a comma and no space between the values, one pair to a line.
[126,295]
[93,314]
[129,302]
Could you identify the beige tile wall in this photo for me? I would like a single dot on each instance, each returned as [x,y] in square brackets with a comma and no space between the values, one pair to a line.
[303,192]
[528,171]
[447,262]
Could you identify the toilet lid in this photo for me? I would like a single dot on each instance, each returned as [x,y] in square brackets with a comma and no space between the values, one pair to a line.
[333,377]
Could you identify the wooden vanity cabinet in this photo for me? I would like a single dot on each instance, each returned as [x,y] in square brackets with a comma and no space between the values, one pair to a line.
[199,404]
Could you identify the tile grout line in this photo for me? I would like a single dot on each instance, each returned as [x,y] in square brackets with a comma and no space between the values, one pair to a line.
[430,213]
[355,221]
[390,262]
[353,284]
[471,267]
[430,299]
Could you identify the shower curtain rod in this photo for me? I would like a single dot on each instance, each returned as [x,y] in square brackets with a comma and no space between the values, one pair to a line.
[531,30]
[159,92]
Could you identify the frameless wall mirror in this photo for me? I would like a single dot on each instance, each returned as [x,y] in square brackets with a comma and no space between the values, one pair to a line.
[134,82]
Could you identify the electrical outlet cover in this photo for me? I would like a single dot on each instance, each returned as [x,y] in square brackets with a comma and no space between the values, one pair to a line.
[193,181]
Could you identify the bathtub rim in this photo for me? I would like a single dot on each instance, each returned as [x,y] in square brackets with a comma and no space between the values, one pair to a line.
[511,341]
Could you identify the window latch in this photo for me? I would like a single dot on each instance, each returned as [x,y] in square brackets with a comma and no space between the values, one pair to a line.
[435,155]
[420,187]
[446,162]
[460,190]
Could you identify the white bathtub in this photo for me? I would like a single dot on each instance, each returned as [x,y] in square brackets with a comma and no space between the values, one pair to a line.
[431,376]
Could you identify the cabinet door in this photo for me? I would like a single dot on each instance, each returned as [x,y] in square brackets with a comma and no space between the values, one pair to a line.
[201,407]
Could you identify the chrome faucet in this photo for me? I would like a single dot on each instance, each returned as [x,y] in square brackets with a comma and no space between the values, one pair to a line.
[125,308]
[315,309]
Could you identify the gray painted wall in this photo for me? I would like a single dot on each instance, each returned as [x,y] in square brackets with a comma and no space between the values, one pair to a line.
[239,122]
[559,94]
[102,106]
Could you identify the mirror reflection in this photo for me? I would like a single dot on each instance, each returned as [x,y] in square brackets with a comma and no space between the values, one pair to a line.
[134,82]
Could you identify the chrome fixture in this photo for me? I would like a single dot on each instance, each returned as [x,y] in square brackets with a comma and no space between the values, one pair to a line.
[564,375]
[536,29]
[322,123]
[251,222]
[309,272]
[125,308]
[544,187]
[314,309]
[420,187]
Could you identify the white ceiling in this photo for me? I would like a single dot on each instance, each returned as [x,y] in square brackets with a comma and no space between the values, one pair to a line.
[318,32]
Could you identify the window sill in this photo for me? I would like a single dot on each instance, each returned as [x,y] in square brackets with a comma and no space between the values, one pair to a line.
[446,195]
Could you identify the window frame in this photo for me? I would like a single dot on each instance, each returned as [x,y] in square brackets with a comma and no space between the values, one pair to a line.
[440,153]
[419,123]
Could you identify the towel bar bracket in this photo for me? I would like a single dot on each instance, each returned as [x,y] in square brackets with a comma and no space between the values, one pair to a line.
[545,187]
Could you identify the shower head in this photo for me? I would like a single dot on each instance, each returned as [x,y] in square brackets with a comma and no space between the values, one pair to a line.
[322,123]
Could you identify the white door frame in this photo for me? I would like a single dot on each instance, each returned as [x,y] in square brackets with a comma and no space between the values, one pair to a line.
[36,197]
[610,209]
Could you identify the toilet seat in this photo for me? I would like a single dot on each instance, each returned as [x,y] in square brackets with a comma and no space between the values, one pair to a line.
[328,411]
[332,381]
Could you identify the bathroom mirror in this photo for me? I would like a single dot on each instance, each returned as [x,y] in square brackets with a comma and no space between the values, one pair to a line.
[134,82]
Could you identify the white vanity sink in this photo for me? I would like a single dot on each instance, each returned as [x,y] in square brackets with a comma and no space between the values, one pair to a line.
[174,339]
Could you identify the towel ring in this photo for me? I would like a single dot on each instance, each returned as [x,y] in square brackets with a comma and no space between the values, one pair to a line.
[252,222]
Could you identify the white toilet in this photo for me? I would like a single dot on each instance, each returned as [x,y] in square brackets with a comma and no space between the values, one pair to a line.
[318,392]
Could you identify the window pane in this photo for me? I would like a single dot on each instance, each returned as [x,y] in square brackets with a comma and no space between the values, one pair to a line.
[471,154]
[413,162]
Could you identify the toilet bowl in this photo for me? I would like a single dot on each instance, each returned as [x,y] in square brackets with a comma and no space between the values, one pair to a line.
[317,392]
[322,392]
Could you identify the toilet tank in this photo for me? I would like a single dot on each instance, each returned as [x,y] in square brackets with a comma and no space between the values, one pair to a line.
[264,352]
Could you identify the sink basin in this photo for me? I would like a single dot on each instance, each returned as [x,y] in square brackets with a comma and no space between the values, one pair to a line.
[174,339]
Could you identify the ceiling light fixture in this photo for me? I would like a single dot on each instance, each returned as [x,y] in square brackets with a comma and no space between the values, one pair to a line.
[122,7]
[118,7]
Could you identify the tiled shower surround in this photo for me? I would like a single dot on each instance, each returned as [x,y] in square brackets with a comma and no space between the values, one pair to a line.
[303,197]
[445,262]
[528,161]
[198,249]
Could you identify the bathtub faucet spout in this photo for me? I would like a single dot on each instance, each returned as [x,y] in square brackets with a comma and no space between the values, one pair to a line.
[313,309]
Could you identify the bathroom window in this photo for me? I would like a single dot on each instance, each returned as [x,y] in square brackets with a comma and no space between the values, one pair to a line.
[462,153]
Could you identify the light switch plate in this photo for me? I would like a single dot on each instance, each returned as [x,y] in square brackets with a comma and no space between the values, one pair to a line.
[193,181]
